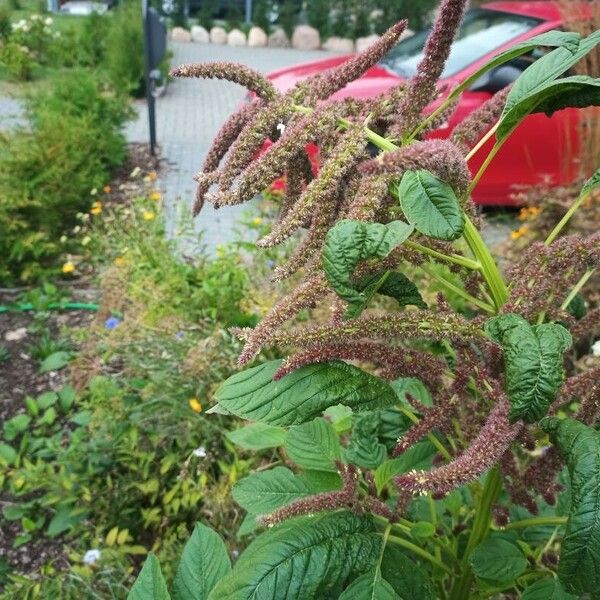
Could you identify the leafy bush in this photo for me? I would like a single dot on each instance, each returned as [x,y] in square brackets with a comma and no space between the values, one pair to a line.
[47,171]
[420,450]
[35,33]
[17,60]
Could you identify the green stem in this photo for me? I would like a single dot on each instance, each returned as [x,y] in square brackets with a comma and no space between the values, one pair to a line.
[440,447]
[560,225]
[453,258]
[584,279]
[457,290]
[479,531]
[535,522]
[484,166]
[419,552]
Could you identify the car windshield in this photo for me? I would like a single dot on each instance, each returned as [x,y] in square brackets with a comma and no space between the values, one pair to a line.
[481,32]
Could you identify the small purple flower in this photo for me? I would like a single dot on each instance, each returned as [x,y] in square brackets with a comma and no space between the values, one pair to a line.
[270,263]
[112,322]
[179,336]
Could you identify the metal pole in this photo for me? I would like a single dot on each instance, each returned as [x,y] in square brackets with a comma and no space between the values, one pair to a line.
[150,100]
[248,11]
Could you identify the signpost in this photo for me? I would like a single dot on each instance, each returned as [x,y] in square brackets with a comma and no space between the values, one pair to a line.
[155,46]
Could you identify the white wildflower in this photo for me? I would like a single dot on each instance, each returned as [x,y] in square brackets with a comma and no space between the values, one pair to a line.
[91,556]
[200,452]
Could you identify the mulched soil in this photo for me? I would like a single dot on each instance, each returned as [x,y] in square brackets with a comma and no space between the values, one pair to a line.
[20,377]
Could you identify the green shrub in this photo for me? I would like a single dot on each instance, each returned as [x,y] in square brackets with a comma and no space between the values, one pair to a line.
[47,171]
[288,16]
[17,60]
[318,14]
[261,14]
[5,23]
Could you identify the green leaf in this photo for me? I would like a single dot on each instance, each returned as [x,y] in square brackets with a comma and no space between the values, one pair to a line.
[370,586]
[417,457]
[66,398]
[577,307]
[204,562]
[48,417]
[321,481]
[431,205]
[150,583]
[340,417]
[580,548]
[261,493]
[408,579]
[32,406]
[533,358]
[258,436]
[8,454]
[413,387]
[55,361]
[303,394]
[364,448]
[47,399]
[313,445]
[13,427]
[63,520]
[496,560]
[301,558]
[547,589]
[422,530]
[350,242]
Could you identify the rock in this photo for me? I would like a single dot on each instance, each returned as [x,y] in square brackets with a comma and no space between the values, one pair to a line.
[200,35]
[218,35]
[338,44]
[236,38]
[16,334]
[306,38]
[278,39]
[257,38]
[362,43]
[179,34]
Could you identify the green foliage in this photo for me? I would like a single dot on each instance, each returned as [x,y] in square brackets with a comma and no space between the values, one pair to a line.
[17,60]
[533,357]
[418,13]
[313,445]
[150,585]
[302,395]
[80,120]
[580,445]
[257,436]
[430,205]
[498,561]
[288,16]
[351,242]
[318,15]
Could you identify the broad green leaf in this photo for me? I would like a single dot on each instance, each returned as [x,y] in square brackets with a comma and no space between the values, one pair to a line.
[313,445]
[496,560]
[430,205]
[340,417]
[303,394]
[392,424]
[364,448]
[592,183]
[533,359]
[577,307]
[55,361]
[370,586]
[16,425]
[150,583]
[47,399]
[62,521]
[321,481]
[204,562]
[406,577]
[350,242]
[301,558]
[422,530]
[580,446]
[551,39]
[416,457]
[547,589]
[258,436]
[66,398]
[413,387]
[261,493]
[8,454]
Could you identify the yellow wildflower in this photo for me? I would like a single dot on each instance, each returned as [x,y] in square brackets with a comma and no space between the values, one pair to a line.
[195,405]
[106,189]
[68,267]
[119,261]
[96,208]
[154,196]
[149,215]
[152,175]
[257,221]
[518,233]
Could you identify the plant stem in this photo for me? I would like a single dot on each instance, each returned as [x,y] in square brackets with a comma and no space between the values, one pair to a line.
[479,531]
[482,142]
[453,258]
[577,289]
[420,552]
[535,522]
[440,447]
[457,290]
[560,225]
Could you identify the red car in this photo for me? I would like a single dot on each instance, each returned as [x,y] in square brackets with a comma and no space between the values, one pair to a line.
[537,149]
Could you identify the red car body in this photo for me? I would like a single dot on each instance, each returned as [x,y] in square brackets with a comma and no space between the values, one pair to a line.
[536,151]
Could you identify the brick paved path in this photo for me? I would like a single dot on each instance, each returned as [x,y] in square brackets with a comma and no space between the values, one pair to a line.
[189,115]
